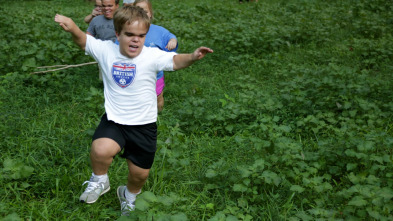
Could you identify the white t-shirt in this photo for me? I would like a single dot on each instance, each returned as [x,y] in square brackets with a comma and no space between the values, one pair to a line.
[129,83]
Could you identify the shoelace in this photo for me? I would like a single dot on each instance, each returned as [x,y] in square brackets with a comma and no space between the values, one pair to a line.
[126,207]
[93,185]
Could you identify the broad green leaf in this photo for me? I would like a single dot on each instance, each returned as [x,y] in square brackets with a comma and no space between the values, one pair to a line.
[297,188]
[12,217]
[223,102]
[211,173]
[271,177]
[219,216]
[357,201]
[376,215]
[323,187]
[371,179]
[242,203]
[165,200]
[28,63]
[366,146]
[246,182]
[239,188]
[148,196]
[231,218]
[304,216]
[248,218]
[141,204]
[285,128]
[244,172]
[210,206]
[25,185]
[179,217]
[127,218]
[353,178]
[229,128]
[16,170]
[259,163]
[386,193]
[378,201]
[351,166]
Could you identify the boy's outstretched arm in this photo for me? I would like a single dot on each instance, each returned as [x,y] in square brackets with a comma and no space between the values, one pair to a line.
[78,36]
[181,61]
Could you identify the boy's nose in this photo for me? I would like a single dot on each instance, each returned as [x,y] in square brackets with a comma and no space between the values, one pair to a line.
[135,39]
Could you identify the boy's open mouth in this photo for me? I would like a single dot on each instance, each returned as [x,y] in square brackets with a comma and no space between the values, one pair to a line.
[133,47]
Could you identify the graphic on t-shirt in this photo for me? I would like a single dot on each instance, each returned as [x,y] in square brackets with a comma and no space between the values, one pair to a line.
[123,74]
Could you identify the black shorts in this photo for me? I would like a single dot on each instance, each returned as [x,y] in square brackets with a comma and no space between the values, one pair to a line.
[138,141]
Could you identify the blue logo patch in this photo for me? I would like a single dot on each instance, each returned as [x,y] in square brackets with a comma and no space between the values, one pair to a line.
[123,74]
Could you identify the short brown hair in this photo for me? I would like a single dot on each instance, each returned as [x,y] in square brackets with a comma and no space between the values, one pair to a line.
[129,14]
[116,2]
[148,2]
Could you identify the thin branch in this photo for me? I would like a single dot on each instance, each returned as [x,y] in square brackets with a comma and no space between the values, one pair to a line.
[62,67]
[54,66]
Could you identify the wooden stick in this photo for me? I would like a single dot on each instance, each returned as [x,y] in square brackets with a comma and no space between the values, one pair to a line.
[54,66]
[62,67]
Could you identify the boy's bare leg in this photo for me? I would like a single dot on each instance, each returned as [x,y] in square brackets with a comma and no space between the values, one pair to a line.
[160,102]
[136,177]
[101,155]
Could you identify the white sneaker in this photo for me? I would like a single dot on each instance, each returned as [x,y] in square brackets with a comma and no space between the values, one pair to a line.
[125,206]
[94,190]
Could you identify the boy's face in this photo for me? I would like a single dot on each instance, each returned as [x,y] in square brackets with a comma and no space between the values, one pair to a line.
[98,5]
[108,8]
[131,38]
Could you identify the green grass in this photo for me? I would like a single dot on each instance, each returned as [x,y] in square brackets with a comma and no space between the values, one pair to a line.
[289,119]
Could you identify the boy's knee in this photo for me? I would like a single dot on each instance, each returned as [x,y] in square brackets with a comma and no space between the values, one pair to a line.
[140,176]
[104,148]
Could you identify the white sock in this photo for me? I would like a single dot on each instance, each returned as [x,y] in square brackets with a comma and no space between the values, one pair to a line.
[131,197]
[101,178]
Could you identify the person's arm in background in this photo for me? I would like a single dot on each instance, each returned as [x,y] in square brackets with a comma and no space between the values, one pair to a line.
[96,11]
[172,44]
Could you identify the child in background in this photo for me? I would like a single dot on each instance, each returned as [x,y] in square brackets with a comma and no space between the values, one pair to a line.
[161,38]
[101,27]
[96,12]
[129,124]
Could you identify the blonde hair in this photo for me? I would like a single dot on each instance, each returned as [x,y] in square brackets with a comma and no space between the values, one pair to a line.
[148,2]
[128,15]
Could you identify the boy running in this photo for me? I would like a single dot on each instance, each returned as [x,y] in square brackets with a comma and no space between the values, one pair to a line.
[129,124]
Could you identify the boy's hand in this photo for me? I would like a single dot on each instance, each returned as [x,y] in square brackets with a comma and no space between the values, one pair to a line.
[96,12]
[171,44]
[181,61]
[200,53]
[66,23]
[78,36]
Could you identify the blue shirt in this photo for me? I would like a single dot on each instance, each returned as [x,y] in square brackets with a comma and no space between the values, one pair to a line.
[158,37]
